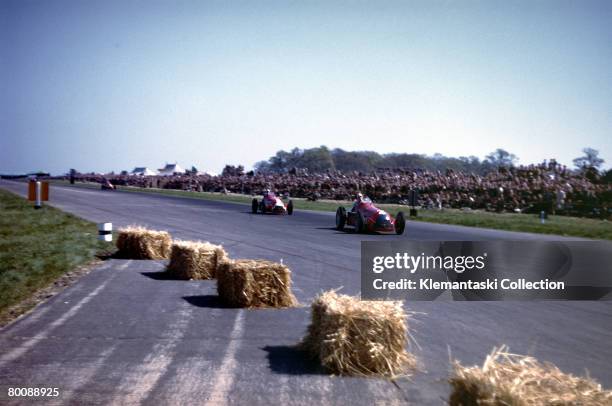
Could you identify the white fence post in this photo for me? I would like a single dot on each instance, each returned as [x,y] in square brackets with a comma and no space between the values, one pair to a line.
[38,203]
[105,232]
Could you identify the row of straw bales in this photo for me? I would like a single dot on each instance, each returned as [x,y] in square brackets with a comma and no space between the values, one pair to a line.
[349,336]
[366,338]
[240,283]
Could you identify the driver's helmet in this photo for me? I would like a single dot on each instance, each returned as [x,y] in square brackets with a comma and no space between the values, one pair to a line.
[359,197]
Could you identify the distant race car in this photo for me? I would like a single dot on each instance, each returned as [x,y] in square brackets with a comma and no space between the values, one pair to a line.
[365,217]
[106,185]
[270,203]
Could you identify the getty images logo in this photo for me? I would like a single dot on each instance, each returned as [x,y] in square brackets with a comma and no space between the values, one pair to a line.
[414,263]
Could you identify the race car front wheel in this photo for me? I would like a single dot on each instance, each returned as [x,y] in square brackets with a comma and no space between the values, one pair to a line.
[254,205]
[340,218]
[290,207]
[400,223]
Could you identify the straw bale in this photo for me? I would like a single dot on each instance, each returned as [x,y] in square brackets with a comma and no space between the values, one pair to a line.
[254,283]
[511,379]
[362,338]
[140,243]
[195,259]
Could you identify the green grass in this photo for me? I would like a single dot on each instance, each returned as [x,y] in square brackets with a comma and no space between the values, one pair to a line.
[557,225]
[38,246]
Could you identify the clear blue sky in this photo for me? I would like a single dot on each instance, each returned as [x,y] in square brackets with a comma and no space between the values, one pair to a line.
[109,85]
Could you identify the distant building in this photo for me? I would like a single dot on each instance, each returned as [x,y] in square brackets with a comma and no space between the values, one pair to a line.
[170,169]
[143,171]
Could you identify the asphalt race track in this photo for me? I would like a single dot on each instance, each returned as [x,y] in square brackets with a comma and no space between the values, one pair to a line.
[123,334]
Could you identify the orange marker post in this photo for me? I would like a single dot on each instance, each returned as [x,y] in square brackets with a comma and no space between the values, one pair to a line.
[45,191]
[32,190]
[38,192]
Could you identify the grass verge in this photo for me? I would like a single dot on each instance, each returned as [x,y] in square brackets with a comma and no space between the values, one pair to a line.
[37,247]
[557,225]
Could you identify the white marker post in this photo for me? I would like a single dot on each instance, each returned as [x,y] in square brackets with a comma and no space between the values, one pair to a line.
[38,203]
[105,232]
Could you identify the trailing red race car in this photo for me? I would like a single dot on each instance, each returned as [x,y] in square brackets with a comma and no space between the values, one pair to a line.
[106,185]
[365,217]
[270,203]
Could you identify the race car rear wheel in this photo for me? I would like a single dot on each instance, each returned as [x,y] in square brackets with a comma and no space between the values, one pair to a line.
[400,223]
[340,218]
[290,207]
[254,204]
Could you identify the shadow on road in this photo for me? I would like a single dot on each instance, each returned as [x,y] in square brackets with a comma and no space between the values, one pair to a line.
[111,253]
[345,231]
[160,276]
[350,230]
[268,214]
[209,301]
[285,359]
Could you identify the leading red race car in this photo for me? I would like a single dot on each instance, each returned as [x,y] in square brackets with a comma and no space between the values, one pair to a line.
[365,217]
[270,203]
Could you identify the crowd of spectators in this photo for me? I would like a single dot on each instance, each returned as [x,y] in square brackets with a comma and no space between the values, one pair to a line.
[548,186]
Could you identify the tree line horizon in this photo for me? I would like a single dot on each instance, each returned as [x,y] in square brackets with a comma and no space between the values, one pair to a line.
[322,159]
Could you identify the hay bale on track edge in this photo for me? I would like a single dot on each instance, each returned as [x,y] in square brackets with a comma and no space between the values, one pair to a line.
[255,283]
[360,338]
[136,242]
[195,259]
[511,379]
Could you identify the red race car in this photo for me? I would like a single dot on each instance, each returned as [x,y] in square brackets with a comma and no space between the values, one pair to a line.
[270,203]
[106,185]
[365,217]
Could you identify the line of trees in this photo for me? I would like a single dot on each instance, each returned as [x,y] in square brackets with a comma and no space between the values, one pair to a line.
[321,159]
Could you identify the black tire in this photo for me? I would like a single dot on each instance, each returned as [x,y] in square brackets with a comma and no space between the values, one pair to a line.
[340,218]
[400,223]
[359,228]
[262,207]
[290,207]
[254,204]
